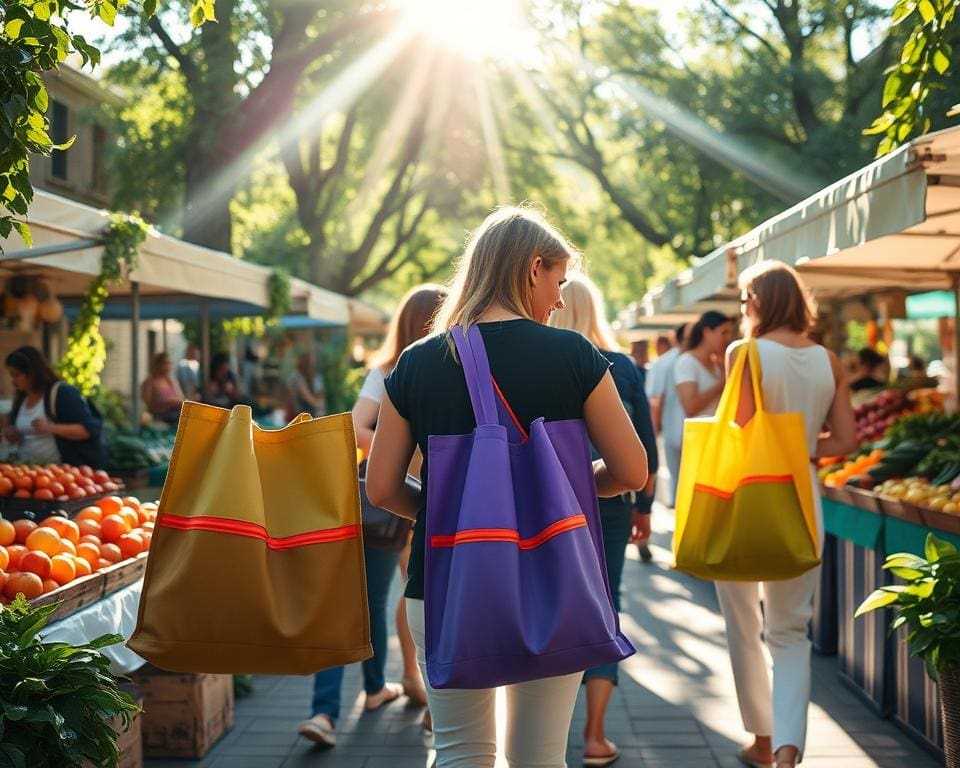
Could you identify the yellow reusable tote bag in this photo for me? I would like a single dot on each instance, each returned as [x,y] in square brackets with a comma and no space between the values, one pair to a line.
[256,563]
[745,508]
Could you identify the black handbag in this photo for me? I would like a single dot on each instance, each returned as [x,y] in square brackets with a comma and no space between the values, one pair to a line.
[383,529]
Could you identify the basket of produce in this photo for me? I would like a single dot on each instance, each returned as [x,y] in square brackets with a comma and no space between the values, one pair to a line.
[34,491]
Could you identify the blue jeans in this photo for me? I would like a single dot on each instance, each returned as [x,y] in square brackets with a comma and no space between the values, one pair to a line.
[380,566]
[615,523]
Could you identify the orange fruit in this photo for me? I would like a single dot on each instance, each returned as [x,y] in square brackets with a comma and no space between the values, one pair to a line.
[112,527]
[67,547]
[88,552]
[84,568]
[24,528]
[95,540]
[147,539]
[111,553]
[4,561]
[36,562]
[133,502]
[29,584]
[44,540]
[23,483]
[43,494]
[110,505]
[130,544]
[88,527]
[15,552]
[131,516]
[89,513]
[62,569]
[101,564]
[149,525]
[66,528]
[6,486]
[8,533]
[49,585]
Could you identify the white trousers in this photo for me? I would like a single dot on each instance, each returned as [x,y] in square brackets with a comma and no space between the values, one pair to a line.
[464,721]
[787,610]
[673,466]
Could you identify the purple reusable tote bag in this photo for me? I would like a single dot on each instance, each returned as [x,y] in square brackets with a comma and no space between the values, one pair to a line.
[515,582]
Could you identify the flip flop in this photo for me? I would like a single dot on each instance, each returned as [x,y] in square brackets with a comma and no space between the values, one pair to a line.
[599,761]
[747,760]
[390,692]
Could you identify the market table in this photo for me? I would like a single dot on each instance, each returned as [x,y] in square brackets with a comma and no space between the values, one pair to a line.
[873,662]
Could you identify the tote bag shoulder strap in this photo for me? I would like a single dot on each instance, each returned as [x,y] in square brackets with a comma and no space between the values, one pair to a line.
[476,369]
[730,399]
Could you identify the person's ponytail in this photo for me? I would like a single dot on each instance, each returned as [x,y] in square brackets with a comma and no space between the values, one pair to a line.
[711,320]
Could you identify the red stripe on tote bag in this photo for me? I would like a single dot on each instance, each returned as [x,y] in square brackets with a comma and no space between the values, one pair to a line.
[255,531]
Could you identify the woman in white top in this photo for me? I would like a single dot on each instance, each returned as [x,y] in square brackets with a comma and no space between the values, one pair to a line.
[411,322]
[796,376]
[698,374]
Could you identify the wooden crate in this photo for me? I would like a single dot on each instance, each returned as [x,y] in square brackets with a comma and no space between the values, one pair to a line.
[183,715]
[78,594]
[124,573]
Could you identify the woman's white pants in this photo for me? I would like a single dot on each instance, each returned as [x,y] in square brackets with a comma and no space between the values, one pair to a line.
[464,721]
[779,711]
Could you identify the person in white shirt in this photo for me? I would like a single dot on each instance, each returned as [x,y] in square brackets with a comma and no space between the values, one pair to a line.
[698,374]
[665,407]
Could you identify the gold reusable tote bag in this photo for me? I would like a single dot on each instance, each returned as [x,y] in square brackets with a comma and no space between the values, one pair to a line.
[745,508]
[256,563]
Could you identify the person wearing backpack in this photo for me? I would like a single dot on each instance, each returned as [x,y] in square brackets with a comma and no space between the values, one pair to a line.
[506,286]
[51,421]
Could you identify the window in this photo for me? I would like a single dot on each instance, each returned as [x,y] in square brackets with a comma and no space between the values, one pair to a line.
[99,148]
[59,132]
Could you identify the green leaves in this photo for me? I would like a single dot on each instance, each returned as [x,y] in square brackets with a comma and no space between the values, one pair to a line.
[925,56]
[928,603]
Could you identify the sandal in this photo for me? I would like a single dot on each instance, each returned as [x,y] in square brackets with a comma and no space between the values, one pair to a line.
[389,692]
[599,761]
[746,759]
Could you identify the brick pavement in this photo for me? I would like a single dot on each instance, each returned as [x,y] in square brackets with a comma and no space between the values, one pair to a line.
[675,705]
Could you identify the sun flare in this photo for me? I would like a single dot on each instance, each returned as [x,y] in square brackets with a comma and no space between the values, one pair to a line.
[476,29]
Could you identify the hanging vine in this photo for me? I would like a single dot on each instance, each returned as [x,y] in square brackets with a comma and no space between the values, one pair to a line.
[279,295]
[86,351]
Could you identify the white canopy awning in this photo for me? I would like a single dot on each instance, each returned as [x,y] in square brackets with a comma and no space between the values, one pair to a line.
[894,224]
[166,266]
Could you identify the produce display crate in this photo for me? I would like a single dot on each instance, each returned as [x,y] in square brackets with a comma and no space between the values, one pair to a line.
[13,508]
[184,715]
[864,499]
[86,590]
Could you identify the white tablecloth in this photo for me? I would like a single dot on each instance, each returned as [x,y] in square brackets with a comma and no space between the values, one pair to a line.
[114,614]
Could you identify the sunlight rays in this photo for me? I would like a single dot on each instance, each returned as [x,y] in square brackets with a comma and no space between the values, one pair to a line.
[491,140]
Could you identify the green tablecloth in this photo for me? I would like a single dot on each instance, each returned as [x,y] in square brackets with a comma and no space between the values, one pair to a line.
[861,527]
[901,536]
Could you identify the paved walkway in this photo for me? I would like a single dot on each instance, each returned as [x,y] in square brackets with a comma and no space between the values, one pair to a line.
[674,707]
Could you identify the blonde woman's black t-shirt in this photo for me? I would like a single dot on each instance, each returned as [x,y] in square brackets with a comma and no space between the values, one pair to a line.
[542,371]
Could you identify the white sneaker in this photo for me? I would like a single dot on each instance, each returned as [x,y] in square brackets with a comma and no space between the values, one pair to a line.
[319,728]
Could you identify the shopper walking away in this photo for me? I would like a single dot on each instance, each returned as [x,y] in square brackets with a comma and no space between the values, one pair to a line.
[505,288]
[621,519]
[797,376]
[665,408]
[410,323]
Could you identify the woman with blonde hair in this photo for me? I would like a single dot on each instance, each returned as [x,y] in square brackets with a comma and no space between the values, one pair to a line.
[583,313]
[507,284]
[410,322]
[796,375]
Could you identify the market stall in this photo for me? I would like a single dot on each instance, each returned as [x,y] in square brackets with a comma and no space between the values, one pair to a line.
[892,228]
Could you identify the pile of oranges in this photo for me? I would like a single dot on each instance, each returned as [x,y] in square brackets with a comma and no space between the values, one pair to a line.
[56,482]
[36,559]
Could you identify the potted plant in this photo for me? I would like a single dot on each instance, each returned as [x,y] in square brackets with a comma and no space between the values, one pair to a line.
[928,605]
[56,700]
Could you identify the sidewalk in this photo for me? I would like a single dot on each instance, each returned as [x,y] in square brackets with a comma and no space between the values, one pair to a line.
[675,705]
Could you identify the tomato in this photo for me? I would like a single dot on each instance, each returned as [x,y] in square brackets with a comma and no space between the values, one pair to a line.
[85,471]
[78,493]
[57,488]
[100,477]
[43,493]
[23,483]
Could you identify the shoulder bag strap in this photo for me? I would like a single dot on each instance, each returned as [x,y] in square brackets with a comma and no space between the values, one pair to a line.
[479,384]
[52,395]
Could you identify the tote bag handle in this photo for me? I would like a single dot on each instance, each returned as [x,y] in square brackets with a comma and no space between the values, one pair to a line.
[476,369]
[730,399]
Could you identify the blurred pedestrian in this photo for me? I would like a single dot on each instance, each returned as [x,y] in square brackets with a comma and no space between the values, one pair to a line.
[796,376]
[621,518]
[410,323]
[188,373]
[665,408]
[699,374]
[160,392]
